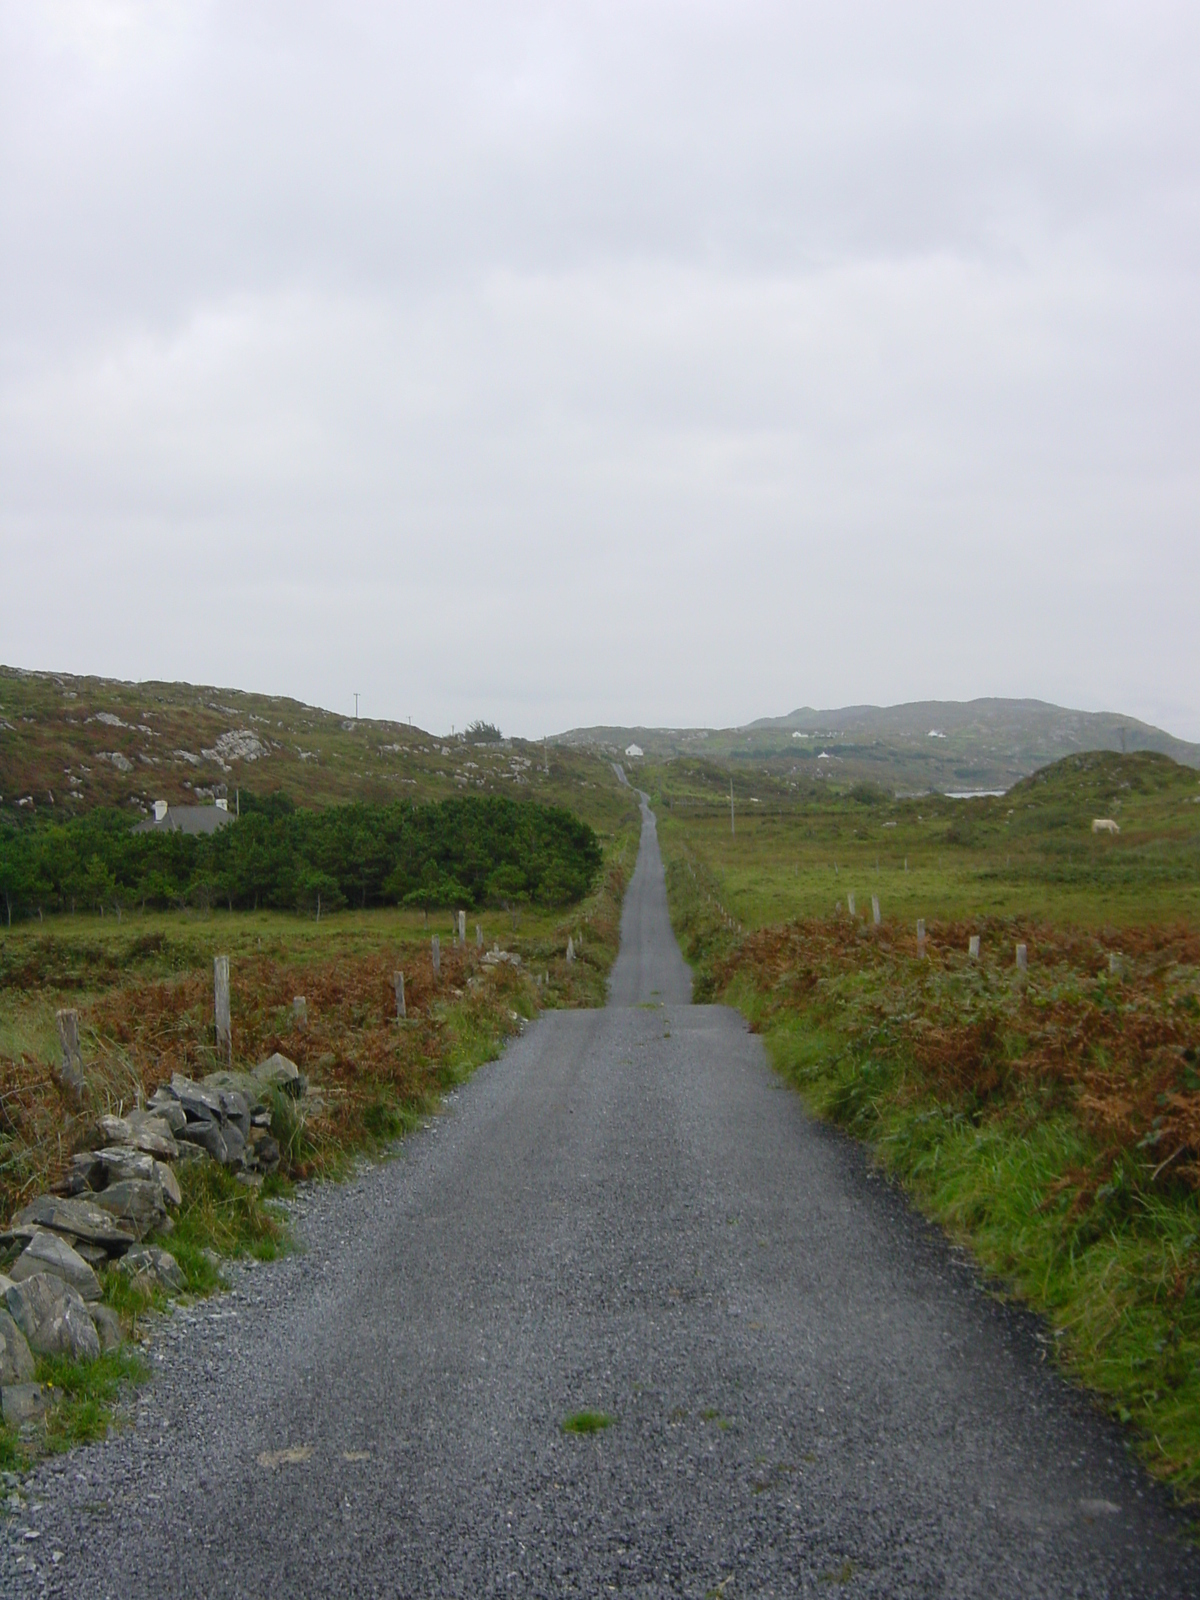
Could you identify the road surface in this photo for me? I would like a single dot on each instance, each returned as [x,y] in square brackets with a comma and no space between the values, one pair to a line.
[627,1214]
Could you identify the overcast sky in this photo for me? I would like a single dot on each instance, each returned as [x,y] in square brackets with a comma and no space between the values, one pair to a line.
[650,362]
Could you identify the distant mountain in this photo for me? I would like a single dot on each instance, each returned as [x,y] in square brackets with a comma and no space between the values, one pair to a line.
[945,745]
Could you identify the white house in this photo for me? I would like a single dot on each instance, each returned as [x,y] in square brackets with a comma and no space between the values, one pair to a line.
[634,750]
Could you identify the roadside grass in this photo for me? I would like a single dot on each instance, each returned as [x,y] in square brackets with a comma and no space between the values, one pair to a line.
[87,1392]
[587,1422]
[1051,1121]
[144,993]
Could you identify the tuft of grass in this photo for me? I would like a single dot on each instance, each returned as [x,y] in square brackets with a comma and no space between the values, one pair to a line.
[85,1394]
[220,1216]
[587,1422]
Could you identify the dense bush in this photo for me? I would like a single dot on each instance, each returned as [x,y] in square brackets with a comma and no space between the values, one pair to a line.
[462,852]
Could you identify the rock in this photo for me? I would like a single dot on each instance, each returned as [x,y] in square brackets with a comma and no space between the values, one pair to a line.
[153,1134]
[95,1255]
[84,1174]
[16,1358]
[121,1162]
[147,1261]
[170,1183]
[208,1136]
[136,1203]
[266,1151]
[53,1318]
[200,1103]
[24,1402]
[166,1108]
[108,1327]
[49,1252]
[235,1146]
[243,1083]
[277,1072]
[81,1219]
[115,1130]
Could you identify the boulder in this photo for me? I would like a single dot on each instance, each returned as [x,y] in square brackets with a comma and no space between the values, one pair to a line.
[121,1162]
[243,1083]
[108,1327]
[200,1104]
[148,1262]
[172,1193]
[53,1318]
[208,1136]
[277,1072]
[24,1402]
[165,1108]
[49,1252]
[235,1146]
[136,1203]
[16,1358]
[80,1219]
[153,1133]
[83,1175]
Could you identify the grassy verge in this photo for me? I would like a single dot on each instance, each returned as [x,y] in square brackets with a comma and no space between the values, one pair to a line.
[1051,1122]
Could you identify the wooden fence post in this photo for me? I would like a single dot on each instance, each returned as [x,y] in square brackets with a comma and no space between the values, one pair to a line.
[221,1007]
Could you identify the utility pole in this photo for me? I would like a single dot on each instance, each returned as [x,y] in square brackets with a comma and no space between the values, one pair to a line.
[732,828]
[356,705]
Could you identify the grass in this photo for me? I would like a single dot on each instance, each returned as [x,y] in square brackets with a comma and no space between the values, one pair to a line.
[87,1392]
[587,1422]
[1050,1121]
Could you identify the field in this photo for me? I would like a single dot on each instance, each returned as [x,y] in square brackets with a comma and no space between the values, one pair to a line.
[1050,1118]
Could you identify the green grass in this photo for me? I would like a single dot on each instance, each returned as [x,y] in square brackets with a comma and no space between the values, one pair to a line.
[587,1422]
[86,1393]
[1028,853]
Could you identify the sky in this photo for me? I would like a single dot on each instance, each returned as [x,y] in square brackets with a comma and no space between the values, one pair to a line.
[666,362]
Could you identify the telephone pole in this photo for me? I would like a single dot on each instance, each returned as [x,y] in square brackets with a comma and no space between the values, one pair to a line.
[732,828]
[356,705]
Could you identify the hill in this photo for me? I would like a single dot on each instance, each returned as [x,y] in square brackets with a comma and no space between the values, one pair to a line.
[69,744]
[941,746]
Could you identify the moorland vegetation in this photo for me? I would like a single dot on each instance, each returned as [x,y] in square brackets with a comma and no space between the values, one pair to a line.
[1048,1117]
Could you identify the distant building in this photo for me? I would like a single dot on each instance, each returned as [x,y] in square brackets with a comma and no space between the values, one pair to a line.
[634,750]
[185,819]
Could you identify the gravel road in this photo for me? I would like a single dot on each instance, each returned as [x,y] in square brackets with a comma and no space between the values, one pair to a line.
[627,1213]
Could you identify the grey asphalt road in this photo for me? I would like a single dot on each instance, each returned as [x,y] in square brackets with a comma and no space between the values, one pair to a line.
[628,1214]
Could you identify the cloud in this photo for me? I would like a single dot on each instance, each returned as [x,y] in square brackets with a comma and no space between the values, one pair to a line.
[647,362]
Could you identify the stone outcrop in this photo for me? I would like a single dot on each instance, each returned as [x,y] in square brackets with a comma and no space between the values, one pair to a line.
[53,1317]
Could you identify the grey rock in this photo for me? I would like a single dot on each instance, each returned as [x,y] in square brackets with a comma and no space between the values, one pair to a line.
[24,1402]
[122,1161]
[266,1152]
[242,1083]
[136,1203]
[235,1146]
[172,1193]
[208,1136]
[153,1134]
[200,1104]
[147,1261]
[50,1252]
[277,1072]
[79,1218]
[166,1108]
[16,1358]
[53,1318]
[83,1175]
[108,1327]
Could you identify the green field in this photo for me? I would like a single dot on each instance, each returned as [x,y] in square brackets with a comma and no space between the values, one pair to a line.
[1028,854]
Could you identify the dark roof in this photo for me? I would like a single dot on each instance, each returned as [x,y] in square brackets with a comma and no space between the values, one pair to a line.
[187,819]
